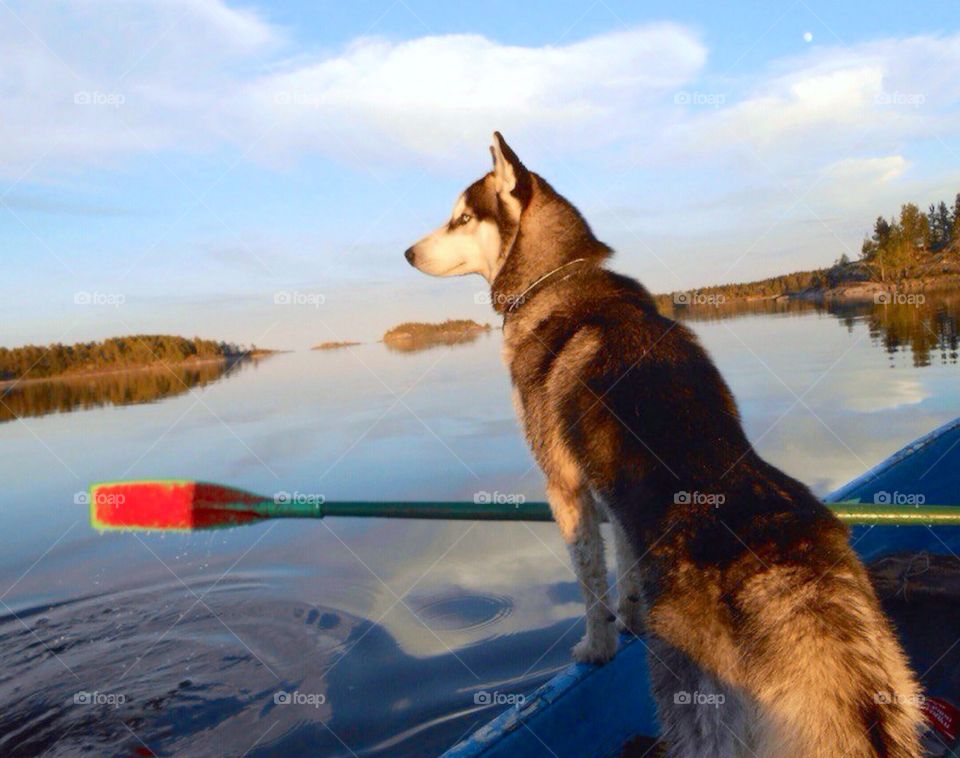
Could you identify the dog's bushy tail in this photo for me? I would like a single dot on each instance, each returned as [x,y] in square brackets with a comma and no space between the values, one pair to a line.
[832,679]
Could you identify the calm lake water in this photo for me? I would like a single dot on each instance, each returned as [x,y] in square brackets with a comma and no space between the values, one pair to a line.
[389,633]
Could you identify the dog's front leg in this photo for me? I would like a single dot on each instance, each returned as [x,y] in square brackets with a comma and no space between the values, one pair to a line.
[576,515]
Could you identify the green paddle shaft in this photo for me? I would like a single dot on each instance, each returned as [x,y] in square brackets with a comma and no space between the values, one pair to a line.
[851,513]
[422,509]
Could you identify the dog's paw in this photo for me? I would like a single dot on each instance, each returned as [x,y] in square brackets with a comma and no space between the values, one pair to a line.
[597,648]
[630,618]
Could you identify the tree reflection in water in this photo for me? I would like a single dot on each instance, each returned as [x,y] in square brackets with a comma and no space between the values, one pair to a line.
[38,398]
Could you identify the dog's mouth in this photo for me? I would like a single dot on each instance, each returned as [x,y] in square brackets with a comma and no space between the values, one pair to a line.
[453,270]
[411,255]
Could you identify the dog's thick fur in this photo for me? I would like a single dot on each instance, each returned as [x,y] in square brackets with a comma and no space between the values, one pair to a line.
[765,636]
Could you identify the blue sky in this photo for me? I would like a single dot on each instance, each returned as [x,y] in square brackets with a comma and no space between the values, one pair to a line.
[173,165]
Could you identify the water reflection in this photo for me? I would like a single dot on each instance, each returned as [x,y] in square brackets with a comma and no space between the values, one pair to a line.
[40,397]
[419,343]
[211,677]
[927,329]
[398,625]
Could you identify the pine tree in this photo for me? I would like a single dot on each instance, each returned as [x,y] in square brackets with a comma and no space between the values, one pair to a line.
[873,245]
[933,231]
[955,235]
[944,224]
[881,230]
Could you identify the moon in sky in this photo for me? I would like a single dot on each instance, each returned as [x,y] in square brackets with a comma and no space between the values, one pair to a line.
[808,36]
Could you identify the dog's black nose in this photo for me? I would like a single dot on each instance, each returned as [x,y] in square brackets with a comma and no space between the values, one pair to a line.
[409,255]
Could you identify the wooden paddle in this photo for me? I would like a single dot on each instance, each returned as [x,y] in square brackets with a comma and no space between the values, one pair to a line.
[187,505]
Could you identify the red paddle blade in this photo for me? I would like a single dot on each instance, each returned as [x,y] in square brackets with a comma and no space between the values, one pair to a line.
[169,505]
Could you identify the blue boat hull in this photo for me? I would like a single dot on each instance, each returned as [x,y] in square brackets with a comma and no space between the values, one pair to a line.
[591,711]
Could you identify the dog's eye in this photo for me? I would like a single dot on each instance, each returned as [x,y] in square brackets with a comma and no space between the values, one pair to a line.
[464,218]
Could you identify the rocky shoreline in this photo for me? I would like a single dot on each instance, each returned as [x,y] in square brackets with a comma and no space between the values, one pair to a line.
[871,290]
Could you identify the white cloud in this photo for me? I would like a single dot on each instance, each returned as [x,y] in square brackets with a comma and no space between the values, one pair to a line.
[861,187]
[803,102]
[834,100]
[88,84]
[884,396]
[186,75]
[881,169]
[96,83]
[435,96]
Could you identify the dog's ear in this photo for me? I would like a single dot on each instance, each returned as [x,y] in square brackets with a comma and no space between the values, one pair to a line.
[510,176]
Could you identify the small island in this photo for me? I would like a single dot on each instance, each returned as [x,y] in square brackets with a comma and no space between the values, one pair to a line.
[414,336]
[913,253]
[134,352]
[335,345]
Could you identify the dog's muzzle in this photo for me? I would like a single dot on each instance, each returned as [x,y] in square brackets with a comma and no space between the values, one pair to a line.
[409,255]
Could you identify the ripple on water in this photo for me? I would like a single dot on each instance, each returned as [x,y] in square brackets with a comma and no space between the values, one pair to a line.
[462,612]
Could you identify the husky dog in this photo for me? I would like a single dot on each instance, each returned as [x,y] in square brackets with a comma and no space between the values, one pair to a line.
[765,637]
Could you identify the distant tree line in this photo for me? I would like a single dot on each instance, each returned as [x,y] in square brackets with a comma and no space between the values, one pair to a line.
[913,238]
[37,362]
[900,248]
